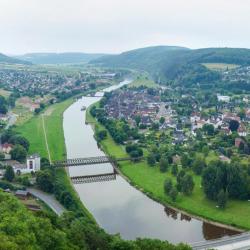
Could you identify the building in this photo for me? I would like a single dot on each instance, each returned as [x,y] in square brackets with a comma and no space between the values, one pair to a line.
[33,162]
[6,148]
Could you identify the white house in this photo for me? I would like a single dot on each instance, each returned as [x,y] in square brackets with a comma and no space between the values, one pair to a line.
[33,164]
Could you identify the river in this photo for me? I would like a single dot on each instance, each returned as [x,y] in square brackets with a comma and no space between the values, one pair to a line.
[116,205]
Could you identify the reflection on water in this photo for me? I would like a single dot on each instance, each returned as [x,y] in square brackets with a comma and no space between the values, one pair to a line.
[116,205]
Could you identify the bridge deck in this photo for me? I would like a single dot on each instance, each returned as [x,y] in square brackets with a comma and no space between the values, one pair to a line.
[91,161]
[93,178]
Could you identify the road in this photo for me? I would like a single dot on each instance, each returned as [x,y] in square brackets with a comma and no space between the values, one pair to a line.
[240,242]
[49,199]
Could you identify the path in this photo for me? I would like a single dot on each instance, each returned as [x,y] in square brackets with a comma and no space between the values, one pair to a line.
[49,199]
[46,141]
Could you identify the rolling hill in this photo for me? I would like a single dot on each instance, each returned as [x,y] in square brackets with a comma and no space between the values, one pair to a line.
[11,60]
[171,63]
[59,58]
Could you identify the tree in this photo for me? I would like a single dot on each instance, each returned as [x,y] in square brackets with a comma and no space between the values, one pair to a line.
[18,153]
[185,161]
[187,184]
[173,193]
[18,139]
[9,174]
[163,164]
[168,186]
[208,129]
[151,159]
[101,135]
[162,120]
[198,165]
[174,170]
[45,181]
[137,120]
[234,125]
[222,198]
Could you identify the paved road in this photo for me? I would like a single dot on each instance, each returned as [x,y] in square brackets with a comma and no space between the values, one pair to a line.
[49,199]
[240,242]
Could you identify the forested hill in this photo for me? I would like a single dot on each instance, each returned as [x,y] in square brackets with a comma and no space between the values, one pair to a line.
[11,60]
[176,62]
[144,58]
[59,58]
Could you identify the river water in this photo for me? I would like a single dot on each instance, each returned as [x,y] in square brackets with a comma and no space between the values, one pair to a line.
[116,205]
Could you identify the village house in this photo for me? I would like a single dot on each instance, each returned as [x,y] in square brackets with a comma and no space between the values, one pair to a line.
[6,148]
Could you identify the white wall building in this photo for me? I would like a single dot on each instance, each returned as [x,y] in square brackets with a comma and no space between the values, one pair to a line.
[33,164]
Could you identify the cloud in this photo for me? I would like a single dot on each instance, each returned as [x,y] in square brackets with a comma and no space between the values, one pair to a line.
[117,25]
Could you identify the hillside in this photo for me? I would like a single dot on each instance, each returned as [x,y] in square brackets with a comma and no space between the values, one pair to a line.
[58,58]
[170,63]
[143,58]
[11,60]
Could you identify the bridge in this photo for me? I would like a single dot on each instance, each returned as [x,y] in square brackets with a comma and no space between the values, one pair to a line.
[239,241]
[93,178]
[92,161]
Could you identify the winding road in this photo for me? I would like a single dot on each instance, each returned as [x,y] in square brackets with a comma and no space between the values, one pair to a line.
[49,199]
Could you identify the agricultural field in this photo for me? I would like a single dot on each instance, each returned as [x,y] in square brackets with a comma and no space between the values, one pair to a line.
[220,66]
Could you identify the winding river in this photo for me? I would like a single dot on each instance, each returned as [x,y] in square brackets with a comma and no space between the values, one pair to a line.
[116,205]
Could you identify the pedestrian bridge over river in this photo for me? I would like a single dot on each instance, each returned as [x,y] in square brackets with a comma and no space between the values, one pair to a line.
[94,161]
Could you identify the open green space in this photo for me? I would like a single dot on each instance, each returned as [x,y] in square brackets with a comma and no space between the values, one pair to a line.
[220,66]
[33,131]
[143,81]
[150,180]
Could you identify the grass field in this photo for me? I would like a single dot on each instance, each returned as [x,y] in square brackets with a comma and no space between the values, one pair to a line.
[151,180]
[143,81]
[220,66]
[33,131]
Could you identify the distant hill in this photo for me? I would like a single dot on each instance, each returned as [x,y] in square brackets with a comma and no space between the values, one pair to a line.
[169,62]
[59,58]
[11,60]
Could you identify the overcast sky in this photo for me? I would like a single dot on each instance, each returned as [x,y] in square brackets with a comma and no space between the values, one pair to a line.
[112,26]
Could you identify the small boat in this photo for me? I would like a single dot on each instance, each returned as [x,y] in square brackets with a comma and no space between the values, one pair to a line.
[83,108]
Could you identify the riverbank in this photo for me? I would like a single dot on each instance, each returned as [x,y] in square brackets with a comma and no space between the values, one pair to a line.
[150,181]
[34,131]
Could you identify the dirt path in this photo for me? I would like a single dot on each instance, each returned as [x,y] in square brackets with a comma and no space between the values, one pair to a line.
[46,141]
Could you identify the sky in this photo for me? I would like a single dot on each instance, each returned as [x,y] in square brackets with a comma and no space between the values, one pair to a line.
[113,26]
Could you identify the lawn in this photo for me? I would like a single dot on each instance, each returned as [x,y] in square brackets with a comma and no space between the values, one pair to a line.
[151,180]
[33,131]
